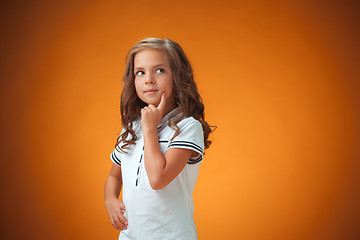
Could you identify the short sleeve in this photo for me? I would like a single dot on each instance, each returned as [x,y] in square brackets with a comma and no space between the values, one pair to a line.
[191,136]
[115,156]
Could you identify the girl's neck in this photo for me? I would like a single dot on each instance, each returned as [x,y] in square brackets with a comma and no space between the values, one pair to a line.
[168,108]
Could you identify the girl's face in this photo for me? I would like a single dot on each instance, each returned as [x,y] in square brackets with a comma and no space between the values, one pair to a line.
[153,76]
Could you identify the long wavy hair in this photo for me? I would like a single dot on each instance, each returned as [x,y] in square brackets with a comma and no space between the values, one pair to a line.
[187,97]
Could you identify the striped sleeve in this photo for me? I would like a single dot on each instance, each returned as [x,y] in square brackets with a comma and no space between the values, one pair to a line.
[115,157]
[191,137]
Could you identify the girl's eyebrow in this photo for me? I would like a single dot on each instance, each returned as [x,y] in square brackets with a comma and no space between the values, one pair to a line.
[160,65]
[157,65]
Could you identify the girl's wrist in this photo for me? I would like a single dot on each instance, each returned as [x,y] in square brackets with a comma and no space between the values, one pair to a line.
[148,131]
[109,200]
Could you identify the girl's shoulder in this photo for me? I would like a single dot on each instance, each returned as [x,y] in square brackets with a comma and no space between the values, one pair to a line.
[189,121]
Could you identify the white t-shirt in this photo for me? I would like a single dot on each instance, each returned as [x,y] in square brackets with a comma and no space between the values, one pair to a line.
[166,213]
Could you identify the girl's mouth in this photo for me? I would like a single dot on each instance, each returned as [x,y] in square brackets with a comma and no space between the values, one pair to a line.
[150,91]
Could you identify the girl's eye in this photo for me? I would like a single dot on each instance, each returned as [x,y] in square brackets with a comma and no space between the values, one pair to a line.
[139,73]
[160,70]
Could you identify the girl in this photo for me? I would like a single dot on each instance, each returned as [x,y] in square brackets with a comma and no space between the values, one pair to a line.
[156,158]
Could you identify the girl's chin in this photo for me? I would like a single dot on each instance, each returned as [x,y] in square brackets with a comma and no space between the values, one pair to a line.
[155,103]
[152,101]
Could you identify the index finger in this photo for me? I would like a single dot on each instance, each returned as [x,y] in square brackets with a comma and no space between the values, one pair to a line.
[161,105]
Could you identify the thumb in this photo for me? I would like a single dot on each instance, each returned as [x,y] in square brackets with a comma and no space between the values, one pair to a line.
[122,205]
[161,105]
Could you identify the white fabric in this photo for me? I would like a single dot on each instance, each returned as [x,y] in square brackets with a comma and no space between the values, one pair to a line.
[167,213]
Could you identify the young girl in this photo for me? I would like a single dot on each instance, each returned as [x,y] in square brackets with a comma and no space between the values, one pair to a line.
[156,158]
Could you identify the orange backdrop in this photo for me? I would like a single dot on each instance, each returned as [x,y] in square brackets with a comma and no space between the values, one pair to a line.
[280,79]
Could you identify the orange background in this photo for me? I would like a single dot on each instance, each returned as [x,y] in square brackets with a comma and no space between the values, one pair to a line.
[280,79]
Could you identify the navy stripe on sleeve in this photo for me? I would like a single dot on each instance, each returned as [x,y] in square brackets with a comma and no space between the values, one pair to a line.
[115,158]
[186,144]
[193,161]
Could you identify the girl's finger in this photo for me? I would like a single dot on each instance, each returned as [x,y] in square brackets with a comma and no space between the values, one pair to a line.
[115,226]
[123,219]
[162,103]
[122,206]
[119,223]
[152,107]
[144,109]
[120,215]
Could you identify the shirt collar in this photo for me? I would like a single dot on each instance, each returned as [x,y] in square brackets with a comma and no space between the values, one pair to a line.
[174,115]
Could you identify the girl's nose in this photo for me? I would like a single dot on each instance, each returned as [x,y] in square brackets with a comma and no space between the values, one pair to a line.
[149,79]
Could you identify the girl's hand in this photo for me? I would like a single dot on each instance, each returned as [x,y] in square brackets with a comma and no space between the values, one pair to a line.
[151,115]
[115,209]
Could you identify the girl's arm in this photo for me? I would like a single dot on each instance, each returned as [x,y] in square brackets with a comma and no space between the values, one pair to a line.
[114,205]
[161,169]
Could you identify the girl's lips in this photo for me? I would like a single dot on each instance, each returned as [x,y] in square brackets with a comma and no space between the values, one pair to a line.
[150,91]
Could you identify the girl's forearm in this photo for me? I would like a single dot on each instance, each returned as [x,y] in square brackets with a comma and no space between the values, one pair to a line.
[112,188]
[154,160]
